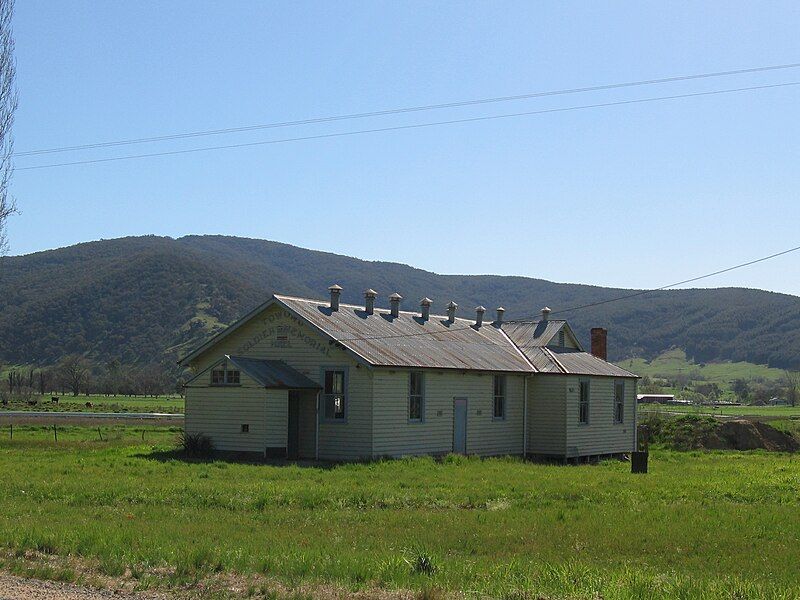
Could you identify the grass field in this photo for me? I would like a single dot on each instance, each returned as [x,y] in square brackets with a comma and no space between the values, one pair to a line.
[699,525]
[748,411]
[161,404]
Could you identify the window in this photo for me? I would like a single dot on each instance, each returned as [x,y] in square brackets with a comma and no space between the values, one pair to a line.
[335,395]
[619,401]
[499,411]
[561,338]
[245,428]
[221,375]
[416,396]
[583,405]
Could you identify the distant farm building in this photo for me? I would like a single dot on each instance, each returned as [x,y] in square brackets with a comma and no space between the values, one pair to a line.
[658,399]
[303,378]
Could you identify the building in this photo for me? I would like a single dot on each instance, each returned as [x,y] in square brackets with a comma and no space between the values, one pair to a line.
[303,378]
[659,399]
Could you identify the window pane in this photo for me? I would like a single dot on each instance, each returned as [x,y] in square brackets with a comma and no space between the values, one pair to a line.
[499,407]
[217,376]
[232,377]
[415,408]
[415,383]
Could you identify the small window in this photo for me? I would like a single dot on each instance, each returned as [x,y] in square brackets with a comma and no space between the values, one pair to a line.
[619,401]
[245,428]
[561,341]
[416,396]
[218,377]
[224,376]
[499,411]
[335,395]
[583,406]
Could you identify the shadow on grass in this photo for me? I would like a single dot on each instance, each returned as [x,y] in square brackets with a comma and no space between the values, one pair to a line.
[244,458]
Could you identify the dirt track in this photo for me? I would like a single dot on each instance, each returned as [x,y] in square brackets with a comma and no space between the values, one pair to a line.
[19,588]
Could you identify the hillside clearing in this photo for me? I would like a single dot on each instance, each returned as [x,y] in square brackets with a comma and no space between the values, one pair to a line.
[701,523]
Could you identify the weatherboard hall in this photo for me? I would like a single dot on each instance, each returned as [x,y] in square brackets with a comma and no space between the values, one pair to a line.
[310,379]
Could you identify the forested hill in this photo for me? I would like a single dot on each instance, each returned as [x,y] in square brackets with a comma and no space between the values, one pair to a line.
[150,299]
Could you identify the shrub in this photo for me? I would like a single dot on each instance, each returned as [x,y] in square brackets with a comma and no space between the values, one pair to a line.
[196,444]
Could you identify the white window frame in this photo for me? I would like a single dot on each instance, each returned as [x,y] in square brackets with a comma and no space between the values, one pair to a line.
[326,396]
[587,402]
[619,401]
[418,396]
[502,396]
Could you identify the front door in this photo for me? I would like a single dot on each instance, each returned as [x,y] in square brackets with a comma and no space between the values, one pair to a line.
[293,439]
[460,425]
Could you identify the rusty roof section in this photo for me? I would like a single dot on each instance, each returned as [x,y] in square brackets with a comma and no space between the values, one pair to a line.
[569,361]
[409,341]
[536,334]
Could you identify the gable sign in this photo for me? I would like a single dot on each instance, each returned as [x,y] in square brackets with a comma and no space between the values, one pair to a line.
[281,329]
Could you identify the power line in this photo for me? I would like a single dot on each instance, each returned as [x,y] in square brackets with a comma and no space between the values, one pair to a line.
[394,111]
[663,287]
[574,308]
[406,127]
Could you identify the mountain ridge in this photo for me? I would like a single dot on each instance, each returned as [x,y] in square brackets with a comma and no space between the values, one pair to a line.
[146,299]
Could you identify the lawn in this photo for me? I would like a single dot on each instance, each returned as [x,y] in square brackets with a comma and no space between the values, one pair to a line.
[748,411]
[100,403]
[711,525]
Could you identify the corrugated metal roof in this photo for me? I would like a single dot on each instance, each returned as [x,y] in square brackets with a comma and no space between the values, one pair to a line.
[533,335]
[273,373]
[576,362]
[410,341]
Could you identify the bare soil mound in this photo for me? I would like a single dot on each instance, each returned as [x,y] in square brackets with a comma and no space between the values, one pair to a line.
[750,435]
[692,432]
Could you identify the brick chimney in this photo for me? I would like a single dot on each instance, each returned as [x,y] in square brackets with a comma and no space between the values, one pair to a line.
[600,342]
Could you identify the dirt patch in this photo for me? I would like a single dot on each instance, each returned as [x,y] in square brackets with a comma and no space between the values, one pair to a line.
[692,432]
[742,434]
[20,588]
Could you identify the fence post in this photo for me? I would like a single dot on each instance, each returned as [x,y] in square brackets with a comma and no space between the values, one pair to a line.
[142,433]
[11,428]
[55,432]
[100,433]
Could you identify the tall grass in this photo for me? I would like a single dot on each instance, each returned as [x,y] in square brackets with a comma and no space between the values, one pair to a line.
[699,525]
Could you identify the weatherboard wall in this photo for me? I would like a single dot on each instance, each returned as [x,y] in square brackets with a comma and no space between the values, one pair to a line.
[601,435]
[276,333]
[220,411]
[396,435]
[547,395]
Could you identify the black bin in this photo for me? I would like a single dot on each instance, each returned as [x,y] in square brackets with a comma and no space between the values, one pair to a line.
[639,462]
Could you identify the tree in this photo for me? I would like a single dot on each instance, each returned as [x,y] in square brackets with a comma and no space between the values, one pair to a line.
[73,371]
[8,105]
[792,386]
[741,387]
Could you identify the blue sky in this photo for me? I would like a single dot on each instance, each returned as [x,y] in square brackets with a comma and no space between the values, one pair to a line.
[630,196]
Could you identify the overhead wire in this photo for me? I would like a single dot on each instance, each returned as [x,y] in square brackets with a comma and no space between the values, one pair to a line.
[393,111]
[410,126]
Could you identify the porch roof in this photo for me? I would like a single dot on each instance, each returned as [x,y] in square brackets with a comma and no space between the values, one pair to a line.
[274,374]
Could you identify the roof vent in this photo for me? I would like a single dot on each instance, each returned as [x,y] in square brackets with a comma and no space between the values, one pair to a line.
[451,311]
[546,313]
[500,312]
[335,291]
[369,301]
[425,305]
[479,310]
[394,304]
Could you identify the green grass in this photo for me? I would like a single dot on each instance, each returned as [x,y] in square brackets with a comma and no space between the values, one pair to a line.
[748,411]
[699,525]
[674,363]
[100,403]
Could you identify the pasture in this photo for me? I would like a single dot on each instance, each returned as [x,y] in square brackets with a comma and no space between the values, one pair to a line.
[778,412]
[700,524]
[101,403]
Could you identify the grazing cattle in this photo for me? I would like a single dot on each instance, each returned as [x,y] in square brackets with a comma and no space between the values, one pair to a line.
[89,405]
[54,399]
[32,402]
